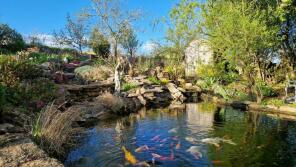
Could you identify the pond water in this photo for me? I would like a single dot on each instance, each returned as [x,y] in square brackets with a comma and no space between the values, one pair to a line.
[200,135]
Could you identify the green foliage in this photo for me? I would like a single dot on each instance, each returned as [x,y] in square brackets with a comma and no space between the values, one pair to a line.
[220,90]
[129,40]
[267,91]
[10,40]
[183,21]
[129,86]
[2,96]
[14,71]
[99,43]
[154,80]
[274,102]
[175,70]
[39,58]
[216,72]
[20,83]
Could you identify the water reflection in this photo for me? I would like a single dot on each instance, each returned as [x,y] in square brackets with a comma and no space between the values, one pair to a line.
[260,140]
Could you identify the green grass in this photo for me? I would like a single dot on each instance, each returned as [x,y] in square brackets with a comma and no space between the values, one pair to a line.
[129,86]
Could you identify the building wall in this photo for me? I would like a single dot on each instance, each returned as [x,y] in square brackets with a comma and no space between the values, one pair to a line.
[198,50]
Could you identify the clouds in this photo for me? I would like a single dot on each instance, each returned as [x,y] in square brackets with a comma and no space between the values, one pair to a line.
[148,47]
[45,39]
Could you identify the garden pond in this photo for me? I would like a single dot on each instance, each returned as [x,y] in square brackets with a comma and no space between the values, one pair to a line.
[202,134]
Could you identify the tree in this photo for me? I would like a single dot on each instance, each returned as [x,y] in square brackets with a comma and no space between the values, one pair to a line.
[129,41]
[112,19]
[74,34]
[10,40]
[238,30]
[99,43]
[182,27]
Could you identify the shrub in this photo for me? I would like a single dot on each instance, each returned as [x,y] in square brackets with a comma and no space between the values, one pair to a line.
[154,80]
[216,72]
[53,129]
[129,86]
[14,71]
[274,102]
[2,96]
[91,73]
[10,40]
[175,70]
[21,83]
[99,43]
[267,91]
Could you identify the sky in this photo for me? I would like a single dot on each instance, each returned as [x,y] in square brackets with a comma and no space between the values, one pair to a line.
[44,16]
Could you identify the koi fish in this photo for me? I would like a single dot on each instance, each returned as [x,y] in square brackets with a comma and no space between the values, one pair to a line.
[142,148]
[178,146]
[215,162]
[175,138]
[156,138]
[163,158]
[194,150]
[164,140]
[217,140]
[143,164]
[174,130]
[129,157]
[190,139]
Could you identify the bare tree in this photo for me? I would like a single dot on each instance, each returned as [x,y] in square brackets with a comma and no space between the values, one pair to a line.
[74,34]
[112,19]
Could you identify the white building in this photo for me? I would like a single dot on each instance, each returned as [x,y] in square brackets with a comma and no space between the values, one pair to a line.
[198,51]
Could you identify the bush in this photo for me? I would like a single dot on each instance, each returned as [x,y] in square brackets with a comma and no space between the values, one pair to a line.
[14,71]
[154,80]
[99,44]
[91,73]
[53,130]
[175,70]
[266,90]
[129,86]
[274,102]
[216,72]
[10,40]
[21,85]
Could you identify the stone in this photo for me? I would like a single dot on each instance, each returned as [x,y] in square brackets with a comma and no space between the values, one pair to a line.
[186,85]
[9,128]
[181,89]
[26,155]
[59,77]
[150,90]
[142,100]
[176,94]
[46,66]
[149,96]
[132,95]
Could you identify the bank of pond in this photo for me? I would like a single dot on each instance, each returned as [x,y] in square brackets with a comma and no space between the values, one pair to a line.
[200,134]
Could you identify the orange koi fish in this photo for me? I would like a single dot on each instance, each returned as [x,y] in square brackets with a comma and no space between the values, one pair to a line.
[129,157]
[178,146]
[142,148]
